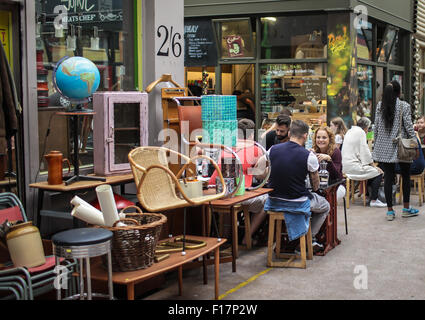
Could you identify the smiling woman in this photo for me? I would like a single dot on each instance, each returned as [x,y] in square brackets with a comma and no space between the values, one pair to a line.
[326,150]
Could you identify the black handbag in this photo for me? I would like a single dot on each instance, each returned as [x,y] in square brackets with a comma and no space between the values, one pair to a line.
[406,148]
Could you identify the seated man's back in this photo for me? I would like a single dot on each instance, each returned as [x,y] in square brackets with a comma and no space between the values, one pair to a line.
[290,165]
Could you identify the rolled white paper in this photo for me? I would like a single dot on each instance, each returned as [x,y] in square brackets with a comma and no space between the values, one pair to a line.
[107,204]
[76,201]
[88,215]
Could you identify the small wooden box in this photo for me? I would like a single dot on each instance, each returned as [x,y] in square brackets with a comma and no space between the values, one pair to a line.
[120,125]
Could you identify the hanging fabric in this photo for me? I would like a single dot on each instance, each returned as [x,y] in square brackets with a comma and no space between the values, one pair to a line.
[8,107]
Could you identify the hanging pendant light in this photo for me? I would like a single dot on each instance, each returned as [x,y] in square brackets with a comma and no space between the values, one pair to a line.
[94,41]
[71,40]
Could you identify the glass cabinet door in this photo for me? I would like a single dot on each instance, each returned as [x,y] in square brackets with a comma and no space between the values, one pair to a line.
[127,130]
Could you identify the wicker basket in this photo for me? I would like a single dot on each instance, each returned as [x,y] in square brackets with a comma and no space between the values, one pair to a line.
[133,246]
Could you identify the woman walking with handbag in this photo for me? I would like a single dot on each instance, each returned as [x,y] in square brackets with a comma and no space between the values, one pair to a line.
[392,121]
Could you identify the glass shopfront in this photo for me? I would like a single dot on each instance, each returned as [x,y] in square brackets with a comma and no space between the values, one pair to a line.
[303,63]
[378,65]
[365,89]
[307,37]
[101,31]
[299,88]
[365,42]
[235,38]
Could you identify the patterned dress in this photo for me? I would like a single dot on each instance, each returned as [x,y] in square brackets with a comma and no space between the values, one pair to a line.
[385,149]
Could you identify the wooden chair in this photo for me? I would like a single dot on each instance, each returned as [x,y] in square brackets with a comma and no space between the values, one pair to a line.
[156,184]
[306,246]
[350,190]
[418,184]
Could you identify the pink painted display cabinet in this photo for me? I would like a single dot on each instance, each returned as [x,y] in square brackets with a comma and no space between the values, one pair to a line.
[120,125]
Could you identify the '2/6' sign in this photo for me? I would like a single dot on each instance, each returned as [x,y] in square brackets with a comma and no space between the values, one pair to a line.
[170,39]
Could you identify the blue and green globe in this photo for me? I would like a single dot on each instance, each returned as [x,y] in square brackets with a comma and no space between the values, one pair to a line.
[77,78]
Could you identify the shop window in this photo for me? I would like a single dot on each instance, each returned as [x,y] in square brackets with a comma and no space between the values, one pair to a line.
[386,45]
[299,88]
[198,79]
[365,97]
[364,42]
[235,38]
[101,31]
[395,57]
[294,37]
[239,80]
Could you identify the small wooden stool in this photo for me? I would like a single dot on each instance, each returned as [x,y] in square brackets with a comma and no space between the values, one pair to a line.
[278,217]
[350,190]
[418,183]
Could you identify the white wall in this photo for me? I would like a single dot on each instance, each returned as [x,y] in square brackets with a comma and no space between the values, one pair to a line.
[159,15]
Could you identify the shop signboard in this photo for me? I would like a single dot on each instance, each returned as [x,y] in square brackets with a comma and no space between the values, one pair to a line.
[200,46]
[235,46]
[87,11]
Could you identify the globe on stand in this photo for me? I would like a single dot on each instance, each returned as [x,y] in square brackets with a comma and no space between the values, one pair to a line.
[76,79]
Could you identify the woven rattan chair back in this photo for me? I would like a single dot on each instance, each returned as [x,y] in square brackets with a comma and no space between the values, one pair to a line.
[158,186]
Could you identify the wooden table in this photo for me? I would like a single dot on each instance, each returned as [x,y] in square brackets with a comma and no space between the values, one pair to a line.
[176,260]
[230,204]
[74,188]
[330,227]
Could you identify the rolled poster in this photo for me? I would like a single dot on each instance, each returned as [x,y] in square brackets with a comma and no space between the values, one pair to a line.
[107,204]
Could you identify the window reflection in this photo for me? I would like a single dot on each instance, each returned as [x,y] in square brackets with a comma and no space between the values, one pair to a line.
[299,88]
[395,53]
[365,96]
[101,31]
[307,38]
[364,42]
[236,38]
[387,44]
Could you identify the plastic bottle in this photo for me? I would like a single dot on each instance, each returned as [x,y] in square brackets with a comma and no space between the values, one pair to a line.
[309,142]
[204,168]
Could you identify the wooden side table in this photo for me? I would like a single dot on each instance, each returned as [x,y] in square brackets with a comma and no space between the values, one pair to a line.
[79,186]
[175,261]
[229,205]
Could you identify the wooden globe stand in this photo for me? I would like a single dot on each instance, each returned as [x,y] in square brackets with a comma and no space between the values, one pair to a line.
[74,114]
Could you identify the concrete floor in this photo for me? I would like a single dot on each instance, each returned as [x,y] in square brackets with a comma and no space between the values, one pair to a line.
[390,253]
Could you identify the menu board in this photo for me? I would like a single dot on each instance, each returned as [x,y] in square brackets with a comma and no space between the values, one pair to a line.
[285,91]
[200,46]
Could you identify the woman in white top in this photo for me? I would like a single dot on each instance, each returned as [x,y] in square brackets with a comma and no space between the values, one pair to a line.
[339,128]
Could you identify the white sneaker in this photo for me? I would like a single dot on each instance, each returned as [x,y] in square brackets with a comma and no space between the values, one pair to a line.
[377,203]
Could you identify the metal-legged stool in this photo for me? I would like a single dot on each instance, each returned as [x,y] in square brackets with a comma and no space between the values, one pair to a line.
[84,243]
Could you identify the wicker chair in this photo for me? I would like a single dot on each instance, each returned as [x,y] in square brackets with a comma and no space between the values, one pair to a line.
[156,183]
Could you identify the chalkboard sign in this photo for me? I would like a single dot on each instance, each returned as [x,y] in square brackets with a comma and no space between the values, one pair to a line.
[200,46]
[314,87]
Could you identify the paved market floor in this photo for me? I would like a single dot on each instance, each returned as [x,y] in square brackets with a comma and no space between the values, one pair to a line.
[378,259]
